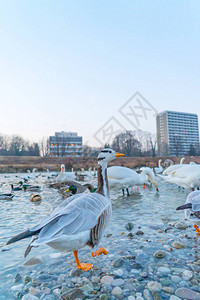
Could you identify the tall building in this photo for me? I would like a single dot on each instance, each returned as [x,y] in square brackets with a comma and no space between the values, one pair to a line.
[66,144]
[177,133]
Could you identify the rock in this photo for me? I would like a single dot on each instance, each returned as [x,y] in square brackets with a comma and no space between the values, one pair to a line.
[144,274]
[35,282]
[160,230]
[187,294]
[159,254]
[26,279]
[73,294]
[76,272]
[131,298]
[103,297]
[17,287]
[156,296]
[137,266]
[147,295]
[46,290]
[106,279]
[129,226]
[187,275]
[139,232]
[29,297]
[168,289]
[181,225]
[118,272]
[33,291]
[117,291]
[178,245]
[57,292]
[172,297]
[45,277]
[117,282]
[130,235]
[164,270]
[154,286]
[118,262]
[176,279]
[18,278]
[32,261]
[17,295]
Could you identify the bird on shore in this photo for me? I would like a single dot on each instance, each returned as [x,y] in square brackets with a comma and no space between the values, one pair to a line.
[123,178]
[78,221]
[192,209]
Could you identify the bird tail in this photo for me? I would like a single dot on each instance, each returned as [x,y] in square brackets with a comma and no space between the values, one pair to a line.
[22,236]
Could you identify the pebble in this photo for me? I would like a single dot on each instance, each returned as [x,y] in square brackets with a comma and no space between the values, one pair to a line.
[164,270]
[168,289]
[32,261]
[176,279]
[106,279]
[76,272]
[17,287]
[172,297]
[33,291]
[139,232]
[180,225]
[118,272]
[73,294]
[131,298]
[118,262]
[154,286]
[147,295]
[187,294]
[129,226]
[178,245]
[160,254]
[117,291]
[187,275]
[18,278]
[29,297]
[117,282]
[103,297]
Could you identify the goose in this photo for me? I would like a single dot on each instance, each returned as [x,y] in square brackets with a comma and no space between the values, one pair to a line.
[159,169]
[123,178]
[188,176]
[192,209]
[63,176]
[78,221]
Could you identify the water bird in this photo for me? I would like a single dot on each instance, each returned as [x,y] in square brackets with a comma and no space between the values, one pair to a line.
[64,176]
[159,169]
[192,209]
[6,196]
[123,178]
[78,221]
[35,198]
[16,188]
[31,188]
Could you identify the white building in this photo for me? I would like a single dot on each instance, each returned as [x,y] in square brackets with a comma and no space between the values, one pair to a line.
[177,132]
[66,144]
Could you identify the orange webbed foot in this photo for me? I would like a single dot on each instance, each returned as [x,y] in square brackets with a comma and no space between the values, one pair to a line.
[85,267]
[197,229]
[99,252]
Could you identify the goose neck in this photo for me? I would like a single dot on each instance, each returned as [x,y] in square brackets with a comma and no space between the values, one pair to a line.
[102,187]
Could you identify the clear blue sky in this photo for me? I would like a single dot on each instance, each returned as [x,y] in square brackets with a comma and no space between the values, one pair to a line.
[70,65]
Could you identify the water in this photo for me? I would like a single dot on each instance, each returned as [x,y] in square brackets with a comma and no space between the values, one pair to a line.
[145,208]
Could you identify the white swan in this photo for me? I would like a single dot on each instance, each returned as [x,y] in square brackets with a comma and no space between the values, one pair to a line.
[192,208]
[159,169]
[65,176]
[78,221]
[123,178]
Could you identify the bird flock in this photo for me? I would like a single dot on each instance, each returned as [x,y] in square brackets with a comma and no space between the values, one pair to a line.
[86,210]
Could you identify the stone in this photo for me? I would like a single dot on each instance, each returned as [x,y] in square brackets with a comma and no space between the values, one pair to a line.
[26,279]
[46,290]
[76,272]
[103,297]
[168,289]
[159,254]
[18,278]
[186,293]
[117,282]
[118,262]
[117,291]
[29,297]
[33,291]
[164,270]
[154,286]
[180,225]
[178,245]
[172,297]
[118,272]
[106,279]
[73,294]
[32,261]
[129,226]
[144,274]
[176,279]
[139,232]
[57,292]
[17,287]
[131,298]
[147,295]
[187,275]
[156,296]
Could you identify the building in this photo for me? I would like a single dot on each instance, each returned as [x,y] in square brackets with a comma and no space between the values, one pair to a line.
[177,133]
[66,144]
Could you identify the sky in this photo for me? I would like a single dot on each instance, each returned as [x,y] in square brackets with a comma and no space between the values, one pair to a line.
[73,65]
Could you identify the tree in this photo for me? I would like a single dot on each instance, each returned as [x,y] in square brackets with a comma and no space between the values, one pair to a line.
[192,151]
[44,146]
[127,143]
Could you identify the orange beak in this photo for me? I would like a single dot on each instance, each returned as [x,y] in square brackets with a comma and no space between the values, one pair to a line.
[118,154]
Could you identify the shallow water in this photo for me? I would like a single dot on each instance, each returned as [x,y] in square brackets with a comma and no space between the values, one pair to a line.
[146,208]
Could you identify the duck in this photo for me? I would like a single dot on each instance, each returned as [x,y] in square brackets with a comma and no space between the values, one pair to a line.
[64,176]
[122,178]
[6,196]
[159,169]
[75,188]
[78,221]
[35,198]
[16,188]
[192,209]
[31,188]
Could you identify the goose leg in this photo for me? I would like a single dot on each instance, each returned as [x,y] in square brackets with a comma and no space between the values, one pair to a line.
[83,266]
[197,228]
[123,192]
[99,252]
[127,192]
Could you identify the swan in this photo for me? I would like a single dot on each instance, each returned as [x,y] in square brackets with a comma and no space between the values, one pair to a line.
[192,208]
[78,221]
[188,176]
[64,176]
[182,160]
[159,169]
[123,178]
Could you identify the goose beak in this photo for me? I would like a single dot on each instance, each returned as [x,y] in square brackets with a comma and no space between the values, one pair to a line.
[185,206]
[118,154]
